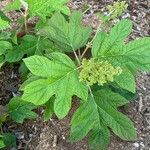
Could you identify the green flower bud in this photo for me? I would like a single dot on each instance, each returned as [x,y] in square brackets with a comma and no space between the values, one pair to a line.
[98,72]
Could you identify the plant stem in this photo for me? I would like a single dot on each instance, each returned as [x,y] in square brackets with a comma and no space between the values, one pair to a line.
[90,43]
[25,24]
[87,47]
[86,10]
[1,130]
[90,90]
[79,53]
[25,21]
[77,58]
[98,29]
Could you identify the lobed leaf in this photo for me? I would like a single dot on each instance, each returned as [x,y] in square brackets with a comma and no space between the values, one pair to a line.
[67,36]
[98,113]
[83,120]
[20,110]
[29,46]
[134,55]
[44,8]
[61,80]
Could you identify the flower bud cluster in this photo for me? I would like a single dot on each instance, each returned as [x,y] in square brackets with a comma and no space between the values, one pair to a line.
[98,72]
[117,8]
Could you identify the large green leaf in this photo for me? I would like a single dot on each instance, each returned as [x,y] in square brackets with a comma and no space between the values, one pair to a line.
[20,110]
[44,8]
[119,123]
[87,118]
[29,46]
[135,55]
[68,36]
[106,42]
[60,79]
[98,113]
[126,81]
[47,68]
[83,120]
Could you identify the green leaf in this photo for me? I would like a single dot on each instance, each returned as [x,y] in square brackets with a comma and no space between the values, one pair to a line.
[48,112]
[14,5]
[23,71]
[29,46]
[4,21]
[97,43]
[38,92]
[61,80]
[98,113]
[4,45]
[134,55]
[41,8]
[99,138]
[115,99]
[47,68]
[20,110]
[2,145]
[137,54]
[4,24]
[119,123]
[83,120]
[4,35]
[14,37]
[44,8]
[126,94]
[86,119]
[116,36]
[67,36]
[126,80]
[30,78]
[9,139]
[121,30]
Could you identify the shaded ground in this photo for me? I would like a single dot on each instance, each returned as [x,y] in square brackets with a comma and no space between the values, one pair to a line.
[53,135]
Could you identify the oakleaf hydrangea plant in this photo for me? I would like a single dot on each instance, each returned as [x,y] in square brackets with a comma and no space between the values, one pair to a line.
[112,64]
[62,61]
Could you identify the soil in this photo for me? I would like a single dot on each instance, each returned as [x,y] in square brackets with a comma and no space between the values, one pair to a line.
[53,135]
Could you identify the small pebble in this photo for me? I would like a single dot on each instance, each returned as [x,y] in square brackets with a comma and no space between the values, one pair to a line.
[136,144]
[19,135]
[63,137]
[142,144]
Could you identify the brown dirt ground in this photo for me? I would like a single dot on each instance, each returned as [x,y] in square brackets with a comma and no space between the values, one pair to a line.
[53,135]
